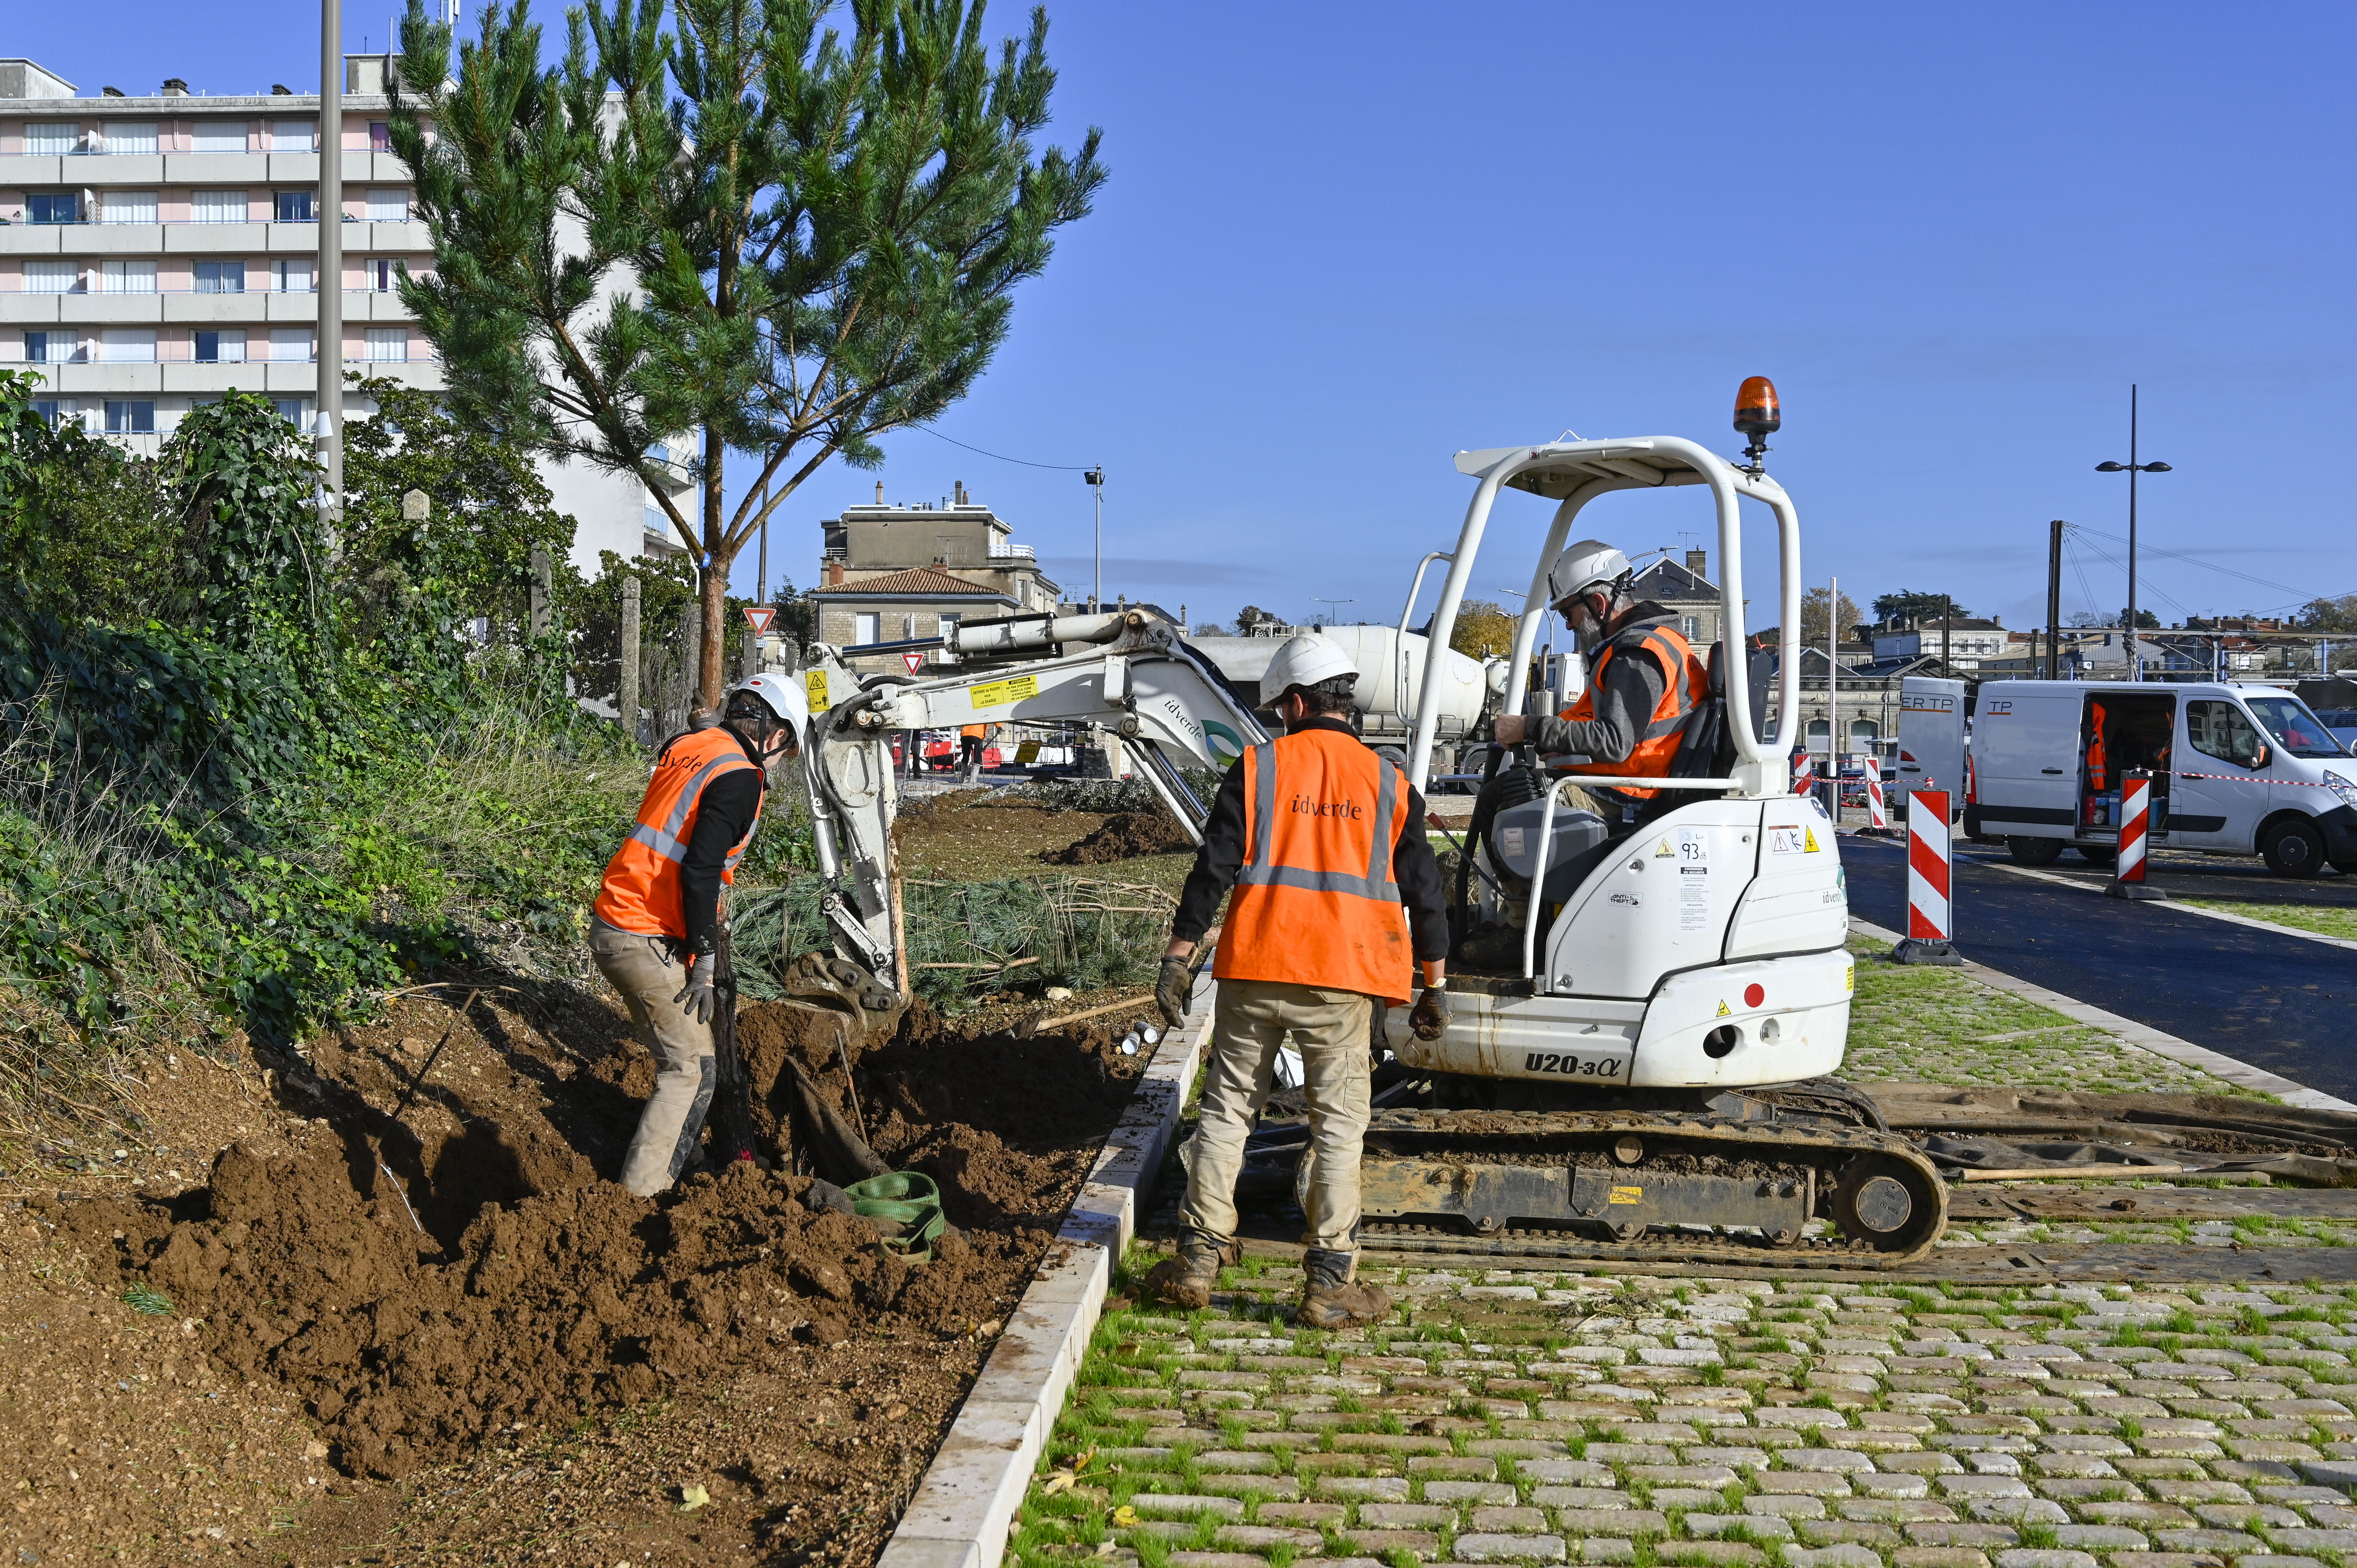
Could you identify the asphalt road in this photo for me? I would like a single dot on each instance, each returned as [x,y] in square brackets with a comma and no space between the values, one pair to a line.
[2279,1003]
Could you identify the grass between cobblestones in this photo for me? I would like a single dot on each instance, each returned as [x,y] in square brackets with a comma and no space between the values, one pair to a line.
[1550,1418]
[1922,1024]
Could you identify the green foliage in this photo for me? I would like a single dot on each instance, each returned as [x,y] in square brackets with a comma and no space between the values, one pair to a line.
[147,1299]
[1909,607]
[819,236]
[254,787]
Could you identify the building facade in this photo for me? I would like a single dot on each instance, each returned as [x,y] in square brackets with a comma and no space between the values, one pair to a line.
[1685,590]
[157,251]
[901,573]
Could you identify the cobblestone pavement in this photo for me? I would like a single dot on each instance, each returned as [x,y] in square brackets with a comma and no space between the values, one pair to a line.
[1550,1418]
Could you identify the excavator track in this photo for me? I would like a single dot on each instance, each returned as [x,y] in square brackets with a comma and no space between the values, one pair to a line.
[1643,1186]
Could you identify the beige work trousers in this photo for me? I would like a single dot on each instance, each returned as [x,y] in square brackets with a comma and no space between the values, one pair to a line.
[1329,1028]
[643,970]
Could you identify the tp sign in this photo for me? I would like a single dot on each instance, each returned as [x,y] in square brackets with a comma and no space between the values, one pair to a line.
[759,616]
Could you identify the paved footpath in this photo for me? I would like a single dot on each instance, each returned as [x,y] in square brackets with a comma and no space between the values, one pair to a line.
[1541,1418]
[2273,1000]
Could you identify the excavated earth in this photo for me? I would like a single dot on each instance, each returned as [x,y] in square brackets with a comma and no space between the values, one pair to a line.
[1125,836]
[533,1312]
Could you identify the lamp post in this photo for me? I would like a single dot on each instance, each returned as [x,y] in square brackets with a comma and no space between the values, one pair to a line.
[2132,469]
[1095,478]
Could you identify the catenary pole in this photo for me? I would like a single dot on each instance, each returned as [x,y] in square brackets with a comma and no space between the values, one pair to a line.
[2054,599]
[1833,688]
[328,277]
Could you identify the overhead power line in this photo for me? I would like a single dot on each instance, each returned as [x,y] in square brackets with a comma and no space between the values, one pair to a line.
[1002,458]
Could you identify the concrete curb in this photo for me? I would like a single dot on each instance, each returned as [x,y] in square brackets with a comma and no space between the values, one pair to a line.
[964,1508]
[2215,1063]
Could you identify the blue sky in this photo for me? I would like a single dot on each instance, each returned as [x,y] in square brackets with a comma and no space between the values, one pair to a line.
[1341,242]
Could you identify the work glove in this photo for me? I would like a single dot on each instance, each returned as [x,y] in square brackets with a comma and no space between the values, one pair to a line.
[1431,1014]
[697,999]
[1174,990]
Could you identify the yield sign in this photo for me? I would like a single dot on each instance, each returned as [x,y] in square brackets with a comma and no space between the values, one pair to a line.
[760,616]
[914,659]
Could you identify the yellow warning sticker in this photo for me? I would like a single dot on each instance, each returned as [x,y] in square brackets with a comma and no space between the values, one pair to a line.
[1625,1195]
[1665,851]
[814,686]
[999,693]
[1724,1011]
[1849,979]
[1811,833]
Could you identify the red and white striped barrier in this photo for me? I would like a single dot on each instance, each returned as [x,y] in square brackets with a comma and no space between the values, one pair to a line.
[2135,809]
[1804,773]
[1930,913]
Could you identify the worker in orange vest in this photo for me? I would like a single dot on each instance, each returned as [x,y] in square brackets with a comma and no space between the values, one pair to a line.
[1337,900]
[654,930]
[970,741]
[1643,676]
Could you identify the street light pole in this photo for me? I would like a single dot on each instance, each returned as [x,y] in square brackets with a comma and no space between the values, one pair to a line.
[2132,469]
[328,276]
[1095,480]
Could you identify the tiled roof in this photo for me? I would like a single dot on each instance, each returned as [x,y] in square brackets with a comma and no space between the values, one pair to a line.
[916,580]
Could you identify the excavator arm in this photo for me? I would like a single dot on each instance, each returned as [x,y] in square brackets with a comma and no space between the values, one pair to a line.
[1127,671]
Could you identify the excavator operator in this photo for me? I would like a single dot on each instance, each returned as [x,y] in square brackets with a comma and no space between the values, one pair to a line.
[1337,900]
[1643,676]
[654,930]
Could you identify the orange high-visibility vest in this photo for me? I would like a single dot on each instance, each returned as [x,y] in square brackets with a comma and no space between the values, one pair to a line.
[1657,744]
[1315,902]
[641,891]
[2097,761]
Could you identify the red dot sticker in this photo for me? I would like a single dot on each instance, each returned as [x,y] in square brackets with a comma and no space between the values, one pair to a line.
[1754,994]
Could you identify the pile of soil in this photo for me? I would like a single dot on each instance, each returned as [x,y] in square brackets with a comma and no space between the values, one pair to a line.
[532,1293]
[1126,836]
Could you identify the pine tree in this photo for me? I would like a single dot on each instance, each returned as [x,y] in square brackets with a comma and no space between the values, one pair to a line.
[745,232]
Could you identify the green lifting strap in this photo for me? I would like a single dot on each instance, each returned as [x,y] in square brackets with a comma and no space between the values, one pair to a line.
[910,1197]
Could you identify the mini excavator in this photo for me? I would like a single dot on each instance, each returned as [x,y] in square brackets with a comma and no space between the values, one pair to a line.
[1639,1056]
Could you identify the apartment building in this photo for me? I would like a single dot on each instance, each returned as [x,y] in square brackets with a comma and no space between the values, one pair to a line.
[900,571]
[157,251]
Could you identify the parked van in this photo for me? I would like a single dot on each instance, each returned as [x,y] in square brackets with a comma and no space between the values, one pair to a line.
[2235,769]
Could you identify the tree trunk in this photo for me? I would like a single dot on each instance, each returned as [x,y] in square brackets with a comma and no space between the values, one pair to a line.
[713,676]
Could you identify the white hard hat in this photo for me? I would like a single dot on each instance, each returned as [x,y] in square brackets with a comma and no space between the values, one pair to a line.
[1583,566]
[1307,660]
[783,695]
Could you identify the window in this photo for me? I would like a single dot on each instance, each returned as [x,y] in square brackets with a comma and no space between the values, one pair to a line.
[217,206]
[290,342]
[52,277]
[220,135]
[50,348]
[388,345]
[866,627]
[290,409]
[950,623]
[226,347]
[1691,625]
[127,346]
[53,137]
[2223,730]
[53,207]
[130,207]
[293,135]
[291,276]
[388,204]
[220,277]
[126,278]
[294,207]
[377,274]
[130,417]
[130,137]
[2293,727]
[380,136]
[52,411]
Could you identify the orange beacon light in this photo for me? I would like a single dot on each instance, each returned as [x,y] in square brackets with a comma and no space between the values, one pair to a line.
[1757,416]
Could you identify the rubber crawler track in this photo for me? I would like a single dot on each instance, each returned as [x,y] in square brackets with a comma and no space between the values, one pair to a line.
[1567,1138]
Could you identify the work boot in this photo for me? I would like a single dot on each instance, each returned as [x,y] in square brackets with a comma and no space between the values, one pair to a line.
[1332,1298]
[1187,1279]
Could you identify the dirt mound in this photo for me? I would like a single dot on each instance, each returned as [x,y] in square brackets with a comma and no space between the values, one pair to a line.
[530,1293]
[1125,836]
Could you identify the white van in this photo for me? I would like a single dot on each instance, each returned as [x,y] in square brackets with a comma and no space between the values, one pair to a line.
[2235,771]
